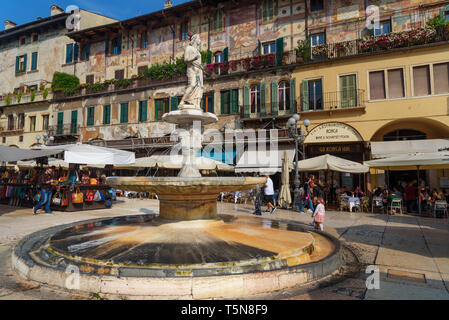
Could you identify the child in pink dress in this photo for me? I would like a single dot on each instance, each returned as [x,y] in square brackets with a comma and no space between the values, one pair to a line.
[318,214]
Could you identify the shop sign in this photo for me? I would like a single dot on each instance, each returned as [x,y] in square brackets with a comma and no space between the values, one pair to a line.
[331,149]
[333,132]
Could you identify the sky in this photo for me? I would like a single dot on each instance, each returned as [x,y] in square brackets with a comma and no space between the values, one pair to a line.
[24,11]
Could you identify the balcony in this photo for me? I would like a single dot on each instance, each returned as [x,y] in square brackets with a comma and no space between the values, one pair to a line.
[12,127]
[265,111]
[334,101]
[15,99]
[64,130]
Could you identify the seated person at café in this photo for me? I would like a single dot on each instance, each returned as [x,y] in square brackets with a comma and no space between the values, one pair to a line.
[358,192]
[347,192]
[397,192]
[425,197]
[431,201]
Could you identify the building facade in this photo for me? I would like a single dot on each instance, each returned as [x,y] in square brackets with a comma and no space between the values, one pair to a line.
[30,54]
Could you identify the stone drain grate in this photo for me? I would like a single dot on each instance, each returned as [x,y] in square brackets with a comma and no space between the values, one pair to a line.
[407,276]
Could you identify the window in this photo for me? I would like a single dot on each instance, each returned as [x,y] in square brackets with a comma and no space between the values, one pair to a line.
[22,41]
[161,106]
[390,87]
[21,64]
[74,122]
[316,5]
[144,40]
[142,70]
[207,102]
[174,102]
[404,134]
[35,37]
[421,81]
[143,107]
[120,74]
[255,99]
[269,47]
[117,45]
[107,114]
[32,88]
[230,101]
[284,95]
[441,78]
[3,139]
[34,56]
[20,138]
[184,31]
[377,85]
[85,52]
[32,123]
[90,79]
[218,21]
[124,113]
[45,121]
[384,28]
[348,91]
[11,123]
[90,116]
[71,54]
[315,94]
[21,121]
[267,10]
[219,57]
[318,39]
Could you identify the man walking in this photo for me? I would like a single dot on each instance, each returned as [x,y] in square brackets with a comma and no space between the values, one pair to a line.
[268,194]
[45,181]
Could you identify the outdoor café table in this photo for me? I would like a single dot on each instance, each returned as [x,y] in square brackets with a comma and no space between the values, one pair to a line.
[353,201]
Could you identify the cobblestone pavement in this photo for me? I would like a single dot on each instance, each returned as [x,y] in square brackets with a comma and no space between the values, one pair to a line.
[412,253]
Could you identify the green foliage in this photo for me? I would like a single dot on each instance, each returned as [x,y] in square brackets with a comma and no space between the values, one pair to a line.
[8,100]
[96,87]
[64,82]
[19,96]
[122,83]
[303,49]
[167,70]
[33,95]
[70,91]
[437,21]
[45,94]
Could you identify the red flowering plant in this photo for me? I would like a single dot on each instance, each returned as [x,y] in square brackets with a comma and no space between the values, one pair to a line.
[234,64]
[246,63]
[224,67]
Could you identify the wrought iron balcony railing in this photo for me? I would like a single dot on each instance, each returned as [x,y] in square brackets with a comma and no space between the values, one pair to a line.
[332,100]
[64,130]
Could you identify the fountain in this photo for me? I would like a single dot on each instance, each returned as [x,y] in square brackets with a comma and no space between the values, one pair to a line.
[187,250]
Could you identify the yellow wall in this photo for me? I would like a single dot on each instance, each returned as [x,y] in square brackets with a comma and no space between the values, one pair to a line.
[428,114]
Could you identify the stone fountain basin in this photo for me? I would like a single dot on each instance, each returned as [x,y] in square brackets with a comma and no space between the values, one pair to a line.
[183,198]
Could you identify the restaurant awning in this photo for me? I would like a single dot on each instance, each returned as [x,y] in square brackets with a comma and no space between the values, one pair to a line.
[412,161]
[167,161]
[93,155]
[333,163]
[264,161]
[9,154]
[384,149]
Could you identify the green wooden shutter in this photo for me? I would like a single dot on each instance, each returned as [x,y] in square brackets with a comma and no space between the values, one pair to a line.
[235,101]
[259,47]
[305,95]
[107,114]
[73,124]
[24,63]
[76,50]
[158,106]
[124,113]
[106,47]
[279,50]
[90,116]
[209,57]
[34,61]
[226,54]
[69,53]
[203,103]
[292,95]
[60,125]
[211,103]
[274,98]
[222,101]
[119,43]
[348,91]
[17,64]
[143,106]
[174,103]
[246,101]
[263,99]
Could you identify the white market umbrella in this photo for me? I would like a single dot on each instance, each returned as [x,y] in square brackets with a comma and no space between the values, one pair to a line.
[93,155]
[285,198]
[411,161]
[175,162]
[9,154]
[329,162]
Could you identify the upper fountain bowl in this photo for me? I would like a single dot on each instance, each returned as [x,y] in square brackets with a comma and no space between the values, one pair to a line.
[188,116]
